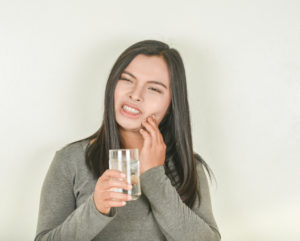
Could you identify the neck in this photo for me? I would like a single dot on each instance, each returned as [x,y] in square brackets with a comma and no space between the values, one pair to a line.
[131,139]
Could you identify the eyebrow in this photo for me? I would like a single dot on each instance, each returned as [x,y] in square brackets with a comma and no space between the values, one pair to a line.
[150,81]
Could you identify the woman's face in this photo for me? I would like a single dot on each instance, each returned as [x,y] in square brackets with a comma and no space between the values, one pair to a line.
[142,90]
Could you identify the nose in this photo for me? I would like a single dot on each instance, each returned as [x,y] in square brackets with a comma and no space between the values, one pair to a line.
[136,95]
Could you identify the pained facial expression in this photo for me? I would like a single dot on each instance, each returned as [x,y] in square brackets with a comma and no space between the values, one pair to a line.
[142,90]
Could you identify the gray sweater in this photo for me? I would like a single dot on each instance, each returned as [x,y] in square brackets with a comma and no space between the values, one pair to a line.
[68,213]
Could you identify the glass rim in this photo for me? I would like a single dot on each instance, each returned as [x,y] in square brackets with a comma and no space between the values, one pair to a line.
[129,149]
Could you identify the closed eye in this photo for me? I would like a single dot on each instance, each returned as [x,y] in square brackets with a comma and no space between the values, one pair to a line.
[154,89]
[126,79]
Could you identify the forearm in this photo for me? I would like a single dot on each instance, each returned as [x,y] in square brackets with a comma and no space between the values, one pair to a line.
[176,220]
[83,224]
[59,216]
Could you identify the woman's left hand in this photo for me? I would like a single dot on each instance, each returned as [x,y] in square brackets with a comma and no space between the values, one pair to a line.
[153,152]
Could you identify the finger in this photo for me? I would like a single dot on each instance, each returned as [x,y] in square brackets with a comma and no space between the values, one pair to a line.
[115,183]
[153,117]
[109,173]
[154,125]
[147,138]
[149,128]
[116,196]
[152,122]
[110,204]
[161,139]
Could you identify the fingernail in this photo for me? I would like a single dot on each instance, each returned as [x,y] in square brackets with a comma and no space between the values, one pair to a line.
[130,186]
[129,198]
[123,203]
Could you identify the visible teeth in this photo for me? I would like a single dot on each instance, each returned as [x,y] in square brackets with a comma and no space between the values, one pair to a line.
[129,109]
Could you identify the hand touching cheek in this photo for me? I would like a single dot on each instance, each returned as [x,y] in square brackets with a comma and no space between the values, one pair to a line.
[153,152]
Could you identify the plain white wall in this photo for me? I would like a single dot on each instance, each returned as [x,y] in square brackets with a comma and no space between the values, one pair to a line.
[243,69]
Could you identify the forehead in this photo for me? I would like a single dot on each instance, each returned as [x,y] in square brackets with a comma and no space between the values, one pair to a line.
[146,68]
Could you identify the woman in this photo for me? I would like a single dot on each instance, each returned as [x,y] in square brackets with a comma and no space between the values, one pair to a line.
[146,107]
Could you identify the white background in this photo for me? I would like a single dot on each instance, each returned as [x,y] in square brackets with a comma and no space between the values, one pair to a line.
[243,70]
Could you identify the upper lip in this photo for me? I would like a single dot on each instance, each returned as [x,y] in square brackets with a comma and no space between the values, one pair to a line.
[132,106]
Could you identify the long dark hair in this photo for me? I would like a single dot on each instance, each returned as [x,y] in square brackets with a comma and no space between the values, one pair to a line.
[175,126]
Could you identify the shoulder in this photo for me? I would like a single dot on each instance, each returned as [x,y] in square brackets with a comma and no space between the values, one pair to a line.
[74,149]
[70,156]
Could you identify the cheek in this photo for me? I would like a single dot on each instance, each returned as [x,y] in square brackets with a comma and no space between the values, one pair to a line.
[117,94]
[159,108]
[122,90]
[165,102]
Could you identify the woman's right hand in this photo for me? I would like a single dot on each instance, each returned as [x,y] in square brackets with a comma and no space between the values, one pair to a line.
[104,197]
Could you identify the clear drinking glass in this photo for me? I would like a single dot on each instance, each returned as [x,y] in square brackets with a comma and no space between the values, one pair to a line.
[127,161]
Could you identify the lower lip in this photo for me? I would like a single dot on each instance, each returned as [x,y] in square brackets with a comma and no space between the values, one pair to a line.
[129,114]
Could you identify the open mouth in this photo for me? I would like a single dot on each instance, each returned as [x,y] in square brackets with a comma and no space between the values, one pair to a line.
[130,110]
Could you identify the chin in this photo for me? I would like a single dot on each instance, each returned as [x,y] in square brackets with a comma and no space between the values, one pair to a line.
[132,129]
[129,126]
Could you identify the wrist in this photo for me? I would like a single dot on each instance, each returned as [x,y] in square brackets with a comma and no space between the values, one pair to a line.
[145,169]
